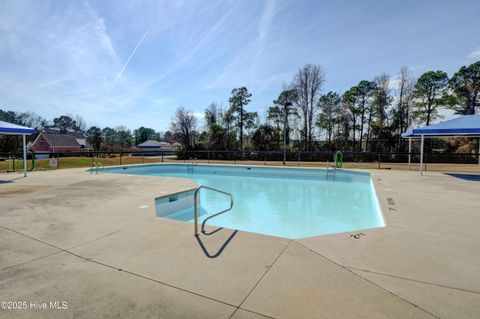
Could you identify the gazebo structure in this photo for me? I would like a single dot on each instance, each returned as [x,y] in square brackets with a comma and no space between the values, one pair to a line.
[13,129]
[463,126]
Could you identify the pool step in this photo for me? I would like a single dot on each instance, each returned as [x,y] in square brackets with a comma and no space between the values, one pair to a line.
[185,206]
[173,203]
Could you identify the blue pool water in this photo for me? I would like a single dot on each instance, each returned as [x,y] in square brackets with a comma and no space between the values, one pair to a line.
[285,202]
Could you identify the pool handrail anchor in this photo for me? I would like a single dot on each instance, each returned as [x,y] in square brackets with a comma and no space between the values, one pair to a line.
[329,169]
[195,207]
[192,163]
[97,166]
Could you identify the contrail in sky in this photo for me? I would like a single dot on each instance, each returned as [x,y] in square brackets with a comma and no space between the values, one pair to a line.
[129,58]
[105,99]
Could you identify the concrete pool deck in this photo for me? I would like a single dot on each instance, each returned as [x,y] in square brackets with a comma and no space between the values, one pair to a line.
[94,242]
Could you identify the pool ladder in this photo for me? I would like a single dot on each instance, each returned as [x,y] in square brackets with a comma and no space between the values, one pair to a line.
[97,167]
[195,207]
[331,172]
[191,165]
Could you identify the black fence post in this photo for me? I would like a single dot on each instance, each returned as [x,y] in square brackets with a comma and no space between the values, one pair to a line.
[162,156]
[379,159]
[120,157]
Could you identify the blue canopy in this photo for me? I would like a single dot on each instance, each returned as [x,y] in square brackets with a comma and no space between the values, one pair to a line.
[14,129]
[466,125]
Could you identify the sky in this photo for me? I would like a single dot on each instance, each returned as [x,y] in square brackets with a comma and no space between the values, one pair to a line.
[134,62]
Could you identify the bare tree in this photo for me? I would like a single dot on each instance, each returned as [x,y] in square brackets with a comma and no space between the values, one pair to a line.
[81,125]
[406,84]
[382,98]
[308,83]
[402,117]
[33,120]
[213,114]
[377,117]
[182,126]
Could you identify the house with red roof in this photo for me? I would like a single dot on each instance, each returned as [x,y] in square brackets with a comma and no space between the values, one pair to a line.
[56,142]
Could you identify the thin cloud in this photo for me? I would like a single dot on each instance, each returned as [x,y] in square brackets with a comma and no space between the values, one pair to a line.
[394,84]
[285,25]
[474,55]
[199,115]
[64,56]
[263,31]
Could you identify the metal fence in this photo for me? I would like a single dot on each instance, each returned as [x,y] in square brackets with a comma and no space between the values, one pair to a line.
[355,157]
[13,161]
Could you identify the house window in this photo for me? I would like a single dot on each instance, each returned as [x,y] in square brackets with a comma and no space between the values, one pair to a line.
[42,141]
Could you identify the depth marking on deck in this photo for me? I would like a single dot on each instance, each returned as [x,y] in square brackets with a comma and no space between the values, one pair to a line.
[357,236]
[391,202]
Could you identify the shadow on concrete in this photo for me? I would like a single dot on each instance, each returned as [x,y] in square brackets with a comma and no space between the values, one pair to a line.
[467,177]
[11,180]
[219,252]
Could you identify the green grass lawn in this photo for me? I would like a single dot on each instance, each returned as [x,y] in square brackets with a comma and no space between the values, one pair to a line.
[74,162]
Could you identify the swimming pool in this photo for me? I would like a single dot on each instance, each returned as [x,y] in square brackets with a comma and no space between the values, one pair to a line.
[286,202]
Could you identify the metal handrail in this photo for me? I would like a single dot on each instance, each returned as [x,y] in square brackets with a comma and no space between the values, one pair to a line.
[97,166]
[191,165]
[329,169]
[195,207]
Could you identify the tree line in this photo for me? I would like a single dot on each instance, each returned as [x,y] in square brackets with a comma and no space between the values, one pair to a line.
[369,116]
[119,138]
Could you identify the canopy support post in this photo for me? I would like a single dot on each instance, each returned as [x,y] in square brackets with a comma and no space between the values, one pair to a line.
[24,156]
[409,152]
[478,153]
[421,154]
